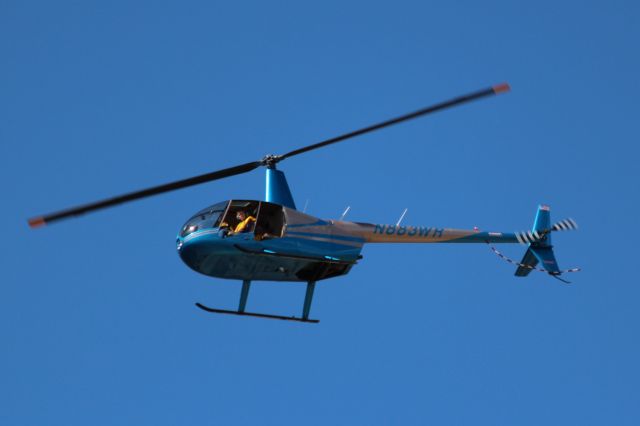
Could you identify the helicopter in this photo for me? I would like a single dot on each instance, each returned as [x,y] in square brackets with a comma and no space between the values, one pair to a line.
[271,240]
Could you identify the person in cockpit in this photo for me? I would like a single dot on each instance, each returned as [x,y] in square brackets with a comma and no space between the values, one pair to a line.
[245,222]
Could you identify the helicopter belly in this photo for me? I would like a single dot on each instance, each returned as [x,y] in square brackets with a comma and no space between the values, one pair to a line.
[263,268]
[247,260]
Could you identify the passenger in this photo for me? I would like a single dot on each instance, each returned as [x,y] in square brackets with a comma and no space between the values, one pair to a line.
[245,222]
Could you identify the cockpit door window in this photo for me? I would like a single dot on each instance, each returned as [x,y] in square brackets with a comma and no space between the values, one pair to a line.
[270,223]
[240,216]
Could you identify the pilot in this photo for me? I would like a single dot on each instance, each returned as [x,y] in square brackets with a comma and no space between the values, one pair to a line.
[244,222]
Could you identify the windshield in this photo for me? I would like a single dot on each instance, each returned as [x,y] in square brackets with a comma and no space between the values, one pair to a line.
[206,218]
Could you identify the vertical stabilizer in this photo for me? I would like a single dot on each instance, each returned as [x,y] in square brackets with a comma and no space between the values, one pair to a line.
[540,251]
[527,264]
[543,223]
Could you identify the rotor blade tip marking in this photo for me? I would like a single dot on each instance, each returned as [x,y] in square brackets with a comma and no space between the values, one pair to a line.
[501,88]
[37,222]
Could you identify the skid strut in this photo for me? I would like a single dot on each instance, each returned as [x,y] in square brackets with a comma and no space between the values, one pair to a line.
[308,297]
[244,295]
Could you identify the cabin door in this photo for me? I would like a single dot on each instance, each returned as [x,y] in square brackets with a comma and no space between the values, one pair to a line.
[270,222]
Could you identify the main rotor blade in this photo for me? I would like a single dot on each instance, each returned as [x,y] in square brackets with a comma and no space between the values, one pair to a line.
[76,211]
[268,161]
[500,88]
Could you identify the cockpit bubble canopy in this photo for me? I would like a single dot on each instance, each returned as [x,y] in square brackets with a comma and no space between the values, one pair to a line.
[204,219]
[268,218]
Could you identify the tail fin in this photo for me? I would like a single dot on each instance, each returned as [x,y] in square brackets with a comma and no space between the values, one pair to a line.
[527,264]
[540,250]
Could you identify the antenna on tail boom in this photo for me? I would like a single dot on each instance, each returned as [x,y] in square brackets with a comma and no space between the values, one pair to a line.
[402,216]
[345,213]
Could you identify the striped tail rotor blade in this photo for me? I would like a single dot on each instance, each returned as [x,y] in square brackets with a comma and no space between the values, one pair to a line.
[529,237]
[524,237]
[565,225]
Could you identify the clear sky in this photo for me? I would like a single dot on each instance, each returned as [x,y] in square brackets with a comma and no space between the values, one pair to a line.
[97,323]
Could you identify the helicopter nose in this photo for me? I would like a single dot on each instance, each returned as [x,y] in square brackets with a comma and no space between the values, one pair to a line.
[196,248]
[189,253]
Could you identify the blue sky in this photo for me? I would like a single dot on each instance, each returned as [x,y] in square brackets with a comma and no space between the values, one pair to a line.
[97,321]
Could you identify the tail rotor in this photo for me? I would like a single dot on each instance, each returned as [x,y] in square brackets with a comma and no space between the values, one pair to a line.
[539,255]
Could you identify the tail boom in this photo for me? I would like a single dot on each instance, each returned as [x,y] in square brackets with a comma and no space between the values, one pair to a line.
[423,234]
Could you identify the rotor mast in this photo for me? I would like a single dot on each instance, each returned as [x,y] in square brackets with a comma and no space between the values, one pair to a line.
[277,189]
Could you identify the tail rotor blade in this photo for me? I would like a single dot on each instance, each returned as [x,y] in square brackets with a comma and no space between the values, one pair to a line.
[565,225]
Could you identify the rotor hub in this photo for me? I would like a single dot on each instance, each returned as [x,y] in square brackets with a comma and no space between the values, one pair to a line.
[271,160]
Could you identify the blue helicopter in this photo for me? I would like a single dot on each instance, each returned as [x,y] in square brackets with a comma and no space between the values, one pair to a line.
[270,240]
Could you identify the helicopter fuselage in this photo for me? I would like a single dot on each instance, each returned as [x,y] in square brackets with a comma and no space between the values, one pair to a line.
[283,244]
[242,257]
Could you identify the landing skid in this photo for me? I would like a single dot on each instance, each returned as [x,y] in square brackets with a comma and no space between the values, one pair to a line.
[244,295]
[253,314]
